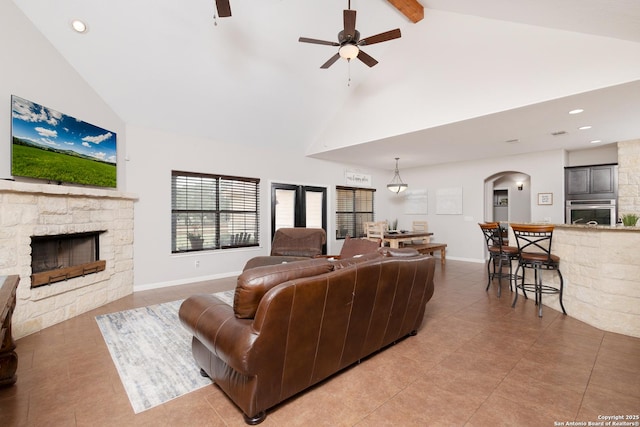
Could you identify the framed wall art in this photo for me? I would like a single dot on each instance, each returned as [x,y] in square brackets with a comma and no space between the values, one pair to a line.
[545,198]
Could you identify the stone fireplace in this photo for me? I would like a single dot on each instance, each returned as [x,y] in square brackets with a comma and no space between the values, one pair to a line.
[87,237]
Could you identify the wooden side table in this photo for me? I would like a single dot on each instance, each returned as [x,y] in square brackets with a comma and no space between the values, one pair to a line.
[8,357]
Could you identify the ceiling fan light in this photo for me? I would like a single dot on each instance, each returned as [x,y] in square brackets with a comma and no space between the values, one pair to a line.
[349,51]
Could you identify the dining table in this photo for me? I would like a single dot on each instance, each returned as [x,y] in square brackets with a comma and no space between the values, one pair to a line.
[394,238]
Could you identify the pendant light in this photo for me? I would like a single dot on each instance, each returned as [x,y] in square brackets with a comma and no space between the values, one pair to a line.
[396,185]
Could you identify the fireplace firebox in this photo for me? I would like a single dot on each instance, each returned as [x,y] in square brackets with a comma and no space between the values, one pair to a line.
[65,256]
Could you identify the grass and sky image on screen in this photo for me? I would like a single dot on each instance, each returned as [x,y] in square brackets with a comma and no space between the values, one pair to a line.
[47,144]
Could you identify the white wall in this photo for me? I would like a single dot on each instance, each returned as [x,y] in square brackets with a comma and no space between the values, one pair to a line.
[593,156]
[34,70]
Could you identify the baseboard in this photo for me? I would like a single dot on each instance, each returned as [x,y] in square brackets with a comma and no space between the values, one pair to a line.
[474,260]
[159,285]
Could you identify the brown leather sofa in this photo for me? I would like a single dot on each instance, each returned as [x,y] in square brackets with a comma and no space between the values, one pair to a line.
[293,325]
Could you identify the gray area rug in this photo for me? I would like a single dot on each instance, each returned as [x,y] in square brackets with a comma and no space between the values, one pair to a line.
[152,352]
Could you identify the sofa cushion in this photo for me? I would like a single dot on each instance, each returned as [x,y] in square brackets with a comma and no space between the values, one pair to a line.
[254,283]
[399,252]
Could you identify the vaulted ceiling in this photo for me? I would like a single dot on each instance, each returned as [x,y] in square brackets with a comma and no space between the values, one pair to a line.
[461,82]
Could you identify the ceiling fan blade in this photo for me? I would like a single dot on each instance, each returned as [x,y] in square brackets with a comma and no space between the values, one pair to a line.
[349,24]
[316,41]
[382,37]
[331,60]
[366,59]
[224,8]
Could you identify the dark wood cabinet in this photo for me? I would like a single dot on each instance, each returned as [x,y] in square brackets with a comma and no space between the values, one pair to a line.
[598,181]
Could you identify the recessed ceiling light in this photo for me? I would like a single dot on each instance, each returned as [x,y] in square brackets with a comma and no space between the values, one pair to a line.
[576,111]
[584,127]
[595,141]
[79,26]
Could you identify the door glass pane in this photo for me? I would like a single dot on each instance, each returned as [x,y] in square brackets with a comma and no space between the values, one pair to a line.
[314,209]
[285,208]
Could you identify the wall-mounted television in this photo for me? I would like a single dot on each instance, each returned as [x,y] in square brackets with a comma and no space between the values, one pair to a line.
[49,145]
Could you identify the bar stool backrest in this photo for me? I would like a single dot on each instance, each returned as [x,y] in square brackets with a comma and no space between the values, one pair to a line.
[534,238]
[492,234]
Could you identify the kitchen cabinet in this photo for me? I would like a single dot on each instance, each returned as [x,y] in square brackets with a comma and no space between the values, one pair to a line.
[590,182]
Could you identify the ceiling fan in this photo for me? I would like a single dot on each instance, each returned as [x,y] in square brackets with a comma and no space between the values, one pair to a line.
[350,42]
[224,8]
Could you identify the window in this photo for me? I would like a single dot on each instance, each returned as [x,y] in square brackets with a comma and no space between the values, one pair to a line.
[354,207]
[213,212]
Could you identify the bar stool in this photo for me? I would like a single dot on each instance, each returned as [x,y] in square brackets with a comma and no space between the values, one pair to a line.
[498,253]
[534,246]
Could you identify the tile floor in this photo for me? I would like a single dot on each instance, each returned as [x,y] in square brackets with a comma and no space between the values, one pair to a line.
[475,362]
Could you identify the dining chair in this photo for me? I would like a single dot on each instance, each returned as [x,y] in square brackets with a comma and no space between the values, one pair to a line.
[375,230]
[420,227]
[499,254]
[534,247]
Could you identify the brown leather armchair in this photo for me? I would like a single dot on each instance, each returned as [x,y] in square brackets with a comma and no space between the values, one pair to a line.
[298,241]
[293,325]
[291,244]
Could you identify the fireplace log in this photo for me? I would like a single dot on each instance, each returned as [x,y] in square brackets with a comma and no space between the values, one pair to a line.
[60,274]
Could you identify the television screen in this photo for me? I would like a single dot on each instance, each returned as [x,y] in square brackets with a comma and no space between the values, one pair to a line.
[47,144]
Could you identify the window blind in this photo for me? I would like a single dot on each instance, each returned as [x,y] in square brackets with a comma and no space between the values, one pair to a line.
[213,211]
[354,207]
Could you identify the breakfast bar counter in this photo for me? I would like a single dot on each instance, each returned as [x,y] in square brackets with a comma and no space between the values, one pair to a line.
[601,269]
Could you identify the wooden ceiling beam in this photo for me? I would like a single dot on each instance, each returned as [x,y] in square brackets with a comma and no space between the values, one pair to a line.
[410,8]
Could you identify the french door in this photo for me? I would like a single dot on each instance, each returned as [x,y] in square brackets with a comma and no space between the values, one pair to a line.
[298,206]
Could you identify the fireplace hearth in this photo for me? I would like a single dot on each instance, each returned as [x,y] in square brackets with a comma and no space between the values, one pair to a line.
[65,256]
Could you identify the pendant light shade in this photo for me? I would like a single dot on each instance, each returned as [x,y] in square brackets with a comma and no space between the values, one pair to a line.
[396,185]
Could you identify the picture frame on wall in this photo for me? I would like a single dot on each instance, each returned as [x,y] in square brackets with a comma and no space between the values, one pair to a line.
[545,198]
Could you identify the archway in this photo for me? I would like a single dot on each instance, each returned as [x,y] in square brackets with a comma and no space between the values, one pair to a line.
[508,197]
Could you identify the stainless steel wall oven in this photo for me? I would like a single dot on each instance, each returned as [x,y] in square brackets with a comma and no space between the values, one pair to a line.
[602,212]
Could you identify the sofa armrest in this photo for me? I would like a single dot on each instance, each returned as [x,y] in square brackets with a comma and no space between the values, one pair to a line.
[214,324]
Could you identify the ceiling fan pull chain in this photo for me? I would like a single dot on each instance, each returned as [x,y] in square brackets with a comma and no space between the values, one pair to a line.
[349,72]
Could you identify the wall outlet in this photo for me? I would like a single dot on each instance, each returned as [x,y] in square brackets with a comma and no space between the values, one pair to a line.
[197,263]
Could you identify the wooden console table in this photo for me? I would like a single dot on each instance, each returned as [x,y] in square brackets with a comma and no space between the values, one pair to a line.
[8,357]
